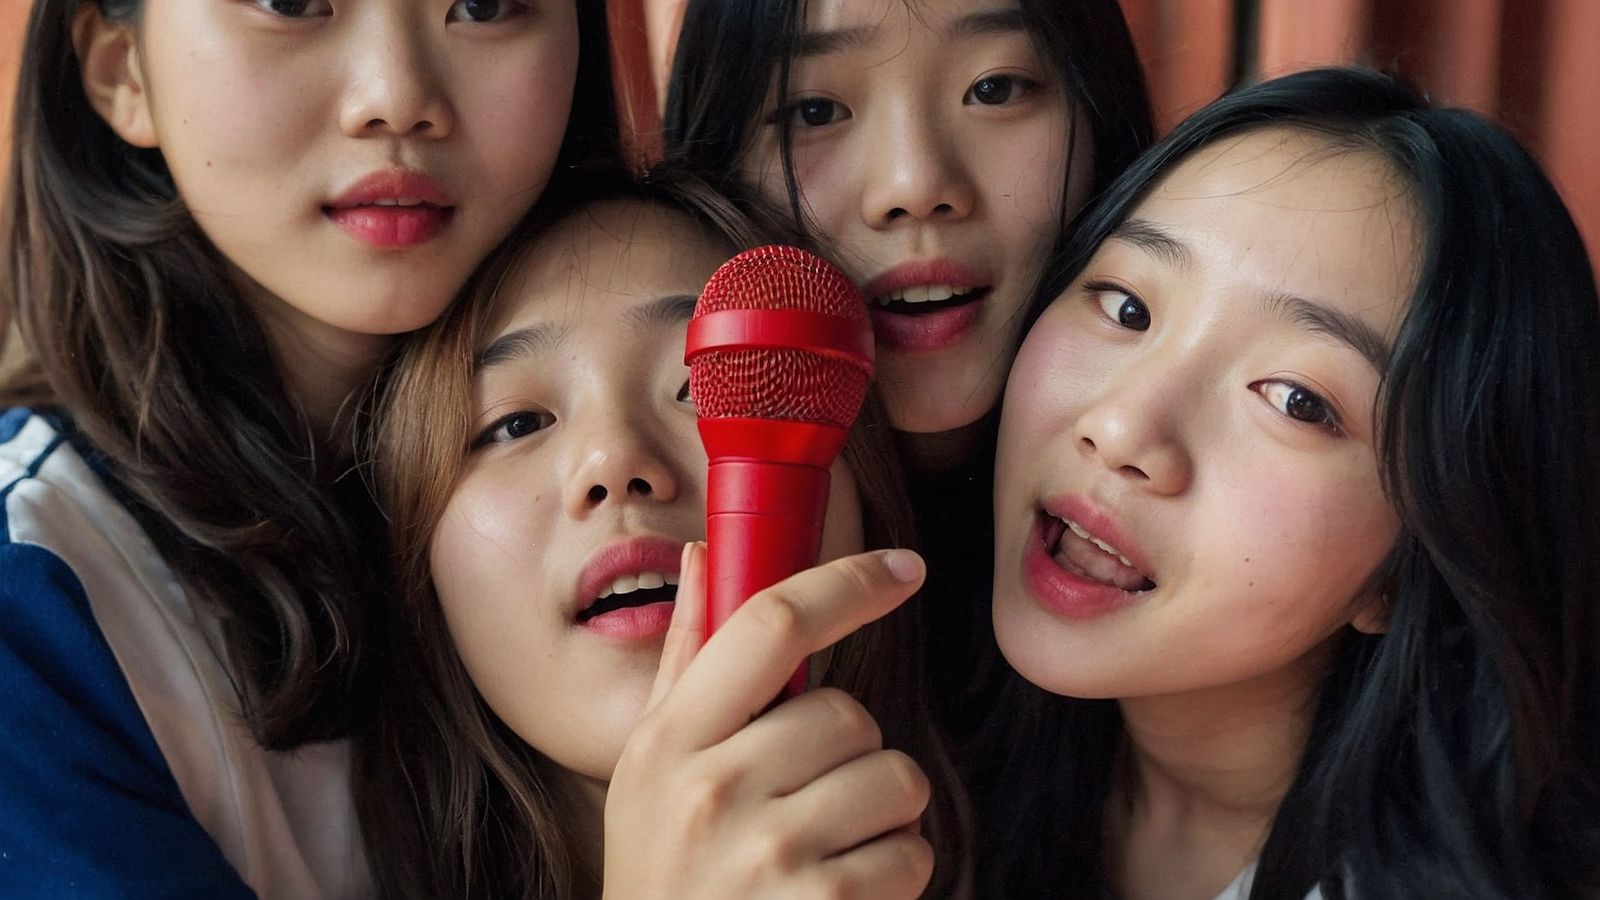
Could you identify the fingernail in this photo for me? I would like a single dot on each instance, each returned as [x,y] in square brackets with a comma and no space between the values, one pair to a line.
[902,564]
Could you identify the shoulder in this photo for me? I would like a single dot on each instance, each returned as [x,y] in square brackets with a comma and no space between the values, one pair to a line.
[124,758]
[80,771]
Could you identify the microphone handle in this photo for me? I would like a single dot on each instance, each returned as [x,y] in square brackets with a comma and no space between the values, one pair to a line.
[763,524]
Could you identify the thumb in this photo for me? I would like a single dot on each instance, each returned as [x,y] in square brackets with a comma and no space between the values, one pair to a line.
[687,630]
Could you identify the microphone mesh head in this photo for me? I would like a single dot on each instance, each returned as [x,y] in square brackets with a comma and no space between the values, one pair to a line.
[792,385]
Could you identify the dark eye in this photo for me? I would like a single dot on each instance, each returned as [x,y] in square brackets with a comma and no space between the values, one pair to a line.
[1298,403]
[814,112]
[296,9]
[482,10]
[1123,308]
[683,392]
[516,425]
[991,91]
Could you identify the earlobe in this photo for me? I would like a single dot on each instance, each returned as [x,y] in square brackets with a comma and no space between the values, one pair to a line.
[112,79]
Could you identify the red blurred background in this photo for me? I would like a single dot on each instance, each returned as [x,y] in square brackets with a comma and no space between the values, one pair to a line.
[1532,64]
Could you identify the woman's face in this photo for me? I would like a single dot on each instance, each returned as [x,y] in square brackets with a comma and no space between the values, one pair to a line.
[352,159]
[931,143]
[556,559]
[1187,492]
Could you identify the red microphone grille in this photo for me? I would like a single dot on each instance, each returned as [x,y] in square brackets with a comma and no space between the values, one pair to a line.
[786,383]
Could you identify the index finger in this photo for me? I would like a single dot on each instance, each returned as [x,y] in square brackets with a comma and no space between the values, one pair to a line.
[688,628]
[749,659]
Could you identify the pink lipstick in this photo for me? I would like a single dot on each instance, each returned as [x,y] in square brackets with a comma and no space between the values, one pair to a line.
[392,208]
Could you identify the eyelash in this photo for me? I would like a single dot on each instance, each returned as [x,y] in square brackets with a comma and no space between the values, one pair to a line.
[1097,288]
[791,112]
[506,9]
[1328,420]
[1016,84]
[490,434]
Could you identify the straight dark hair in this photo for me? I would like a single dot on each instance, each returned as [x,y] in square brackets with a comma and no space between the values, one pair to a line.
[452,802]
[731,53]
[119,314]
[1454,755]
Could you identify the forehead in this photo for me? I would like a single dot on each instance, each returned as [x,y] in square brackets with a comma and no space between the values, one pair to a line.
[1288,211]
[605,257]
[893,16]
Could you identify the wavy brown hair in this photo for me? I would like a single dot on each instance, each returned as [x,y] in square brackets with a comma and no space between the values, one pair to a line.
[452,801]
[119,315]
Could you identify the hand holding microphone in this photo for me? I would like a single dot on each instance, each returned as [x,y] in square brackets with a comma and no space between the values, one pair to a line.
[780,356]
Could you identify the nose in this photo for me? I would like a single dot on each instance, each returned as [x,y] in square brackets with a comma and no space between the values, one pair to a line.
[1136,434]
[395,87]
[914,171]
[618,466]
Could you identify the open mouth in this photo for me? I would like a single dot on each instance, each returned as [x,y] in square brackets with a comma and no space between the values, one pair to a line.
[631,591]
[1073,548]
[923,299]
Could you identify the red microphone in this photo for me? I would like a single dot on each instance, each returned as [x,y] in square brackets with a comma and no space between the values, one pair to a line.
[779,355]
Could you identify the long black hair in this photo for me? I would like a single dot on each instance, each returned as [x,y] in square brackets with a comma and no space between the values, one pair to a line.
[1454,755]
[731,52]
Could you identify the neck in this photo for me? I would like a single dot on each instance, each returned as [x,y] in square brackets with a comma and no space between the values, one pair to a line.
[1206,772]
[929,453]
[322,366]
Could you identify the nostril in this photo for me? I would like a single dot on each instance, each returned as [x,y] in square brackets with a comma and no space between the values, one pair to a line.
[943,209]
[1135,472]
[597,493]
[1086,444]
[640,486]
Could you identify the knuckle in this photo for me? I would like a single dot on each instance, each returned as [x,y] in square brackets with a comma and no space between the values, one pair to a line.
[774,852]
[912,780]
[780,616]
[851,720]
[706,800]
[915,861]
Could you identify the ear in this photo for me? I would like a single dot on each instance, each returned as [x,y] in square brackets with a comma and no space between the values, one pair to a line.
[109,59]
[1372,614]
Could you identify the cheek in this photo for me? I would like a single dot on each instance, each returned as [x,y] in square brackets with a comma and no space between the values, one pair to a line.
[1049,380]
[518,114]
[1302,542]
[488,536]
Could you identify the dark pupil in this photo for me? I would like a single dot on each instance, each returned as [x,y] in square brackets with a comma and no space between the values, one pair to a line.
[816,112]
[482,10]
[521,425]
[1132,314]
[992,90]
[1305,406]
[289,7]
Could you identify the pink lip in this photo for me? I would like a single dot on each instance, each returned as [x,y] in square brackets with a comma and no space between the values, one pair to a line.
[629,556]
[392,226]
[923,332]
[1063,591]
[925,271]
[1099,523]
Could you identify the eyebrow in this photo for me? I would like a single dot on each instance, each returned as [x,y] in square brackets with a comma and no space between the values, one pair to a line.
[662,312]
[1154,239]
[985,22]
[1325,320]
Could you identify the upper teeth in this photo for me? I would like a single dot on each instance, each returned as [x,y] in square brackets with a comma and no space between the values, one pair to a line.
[923,293]
[1082,532]
[627,584]
[401,201]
